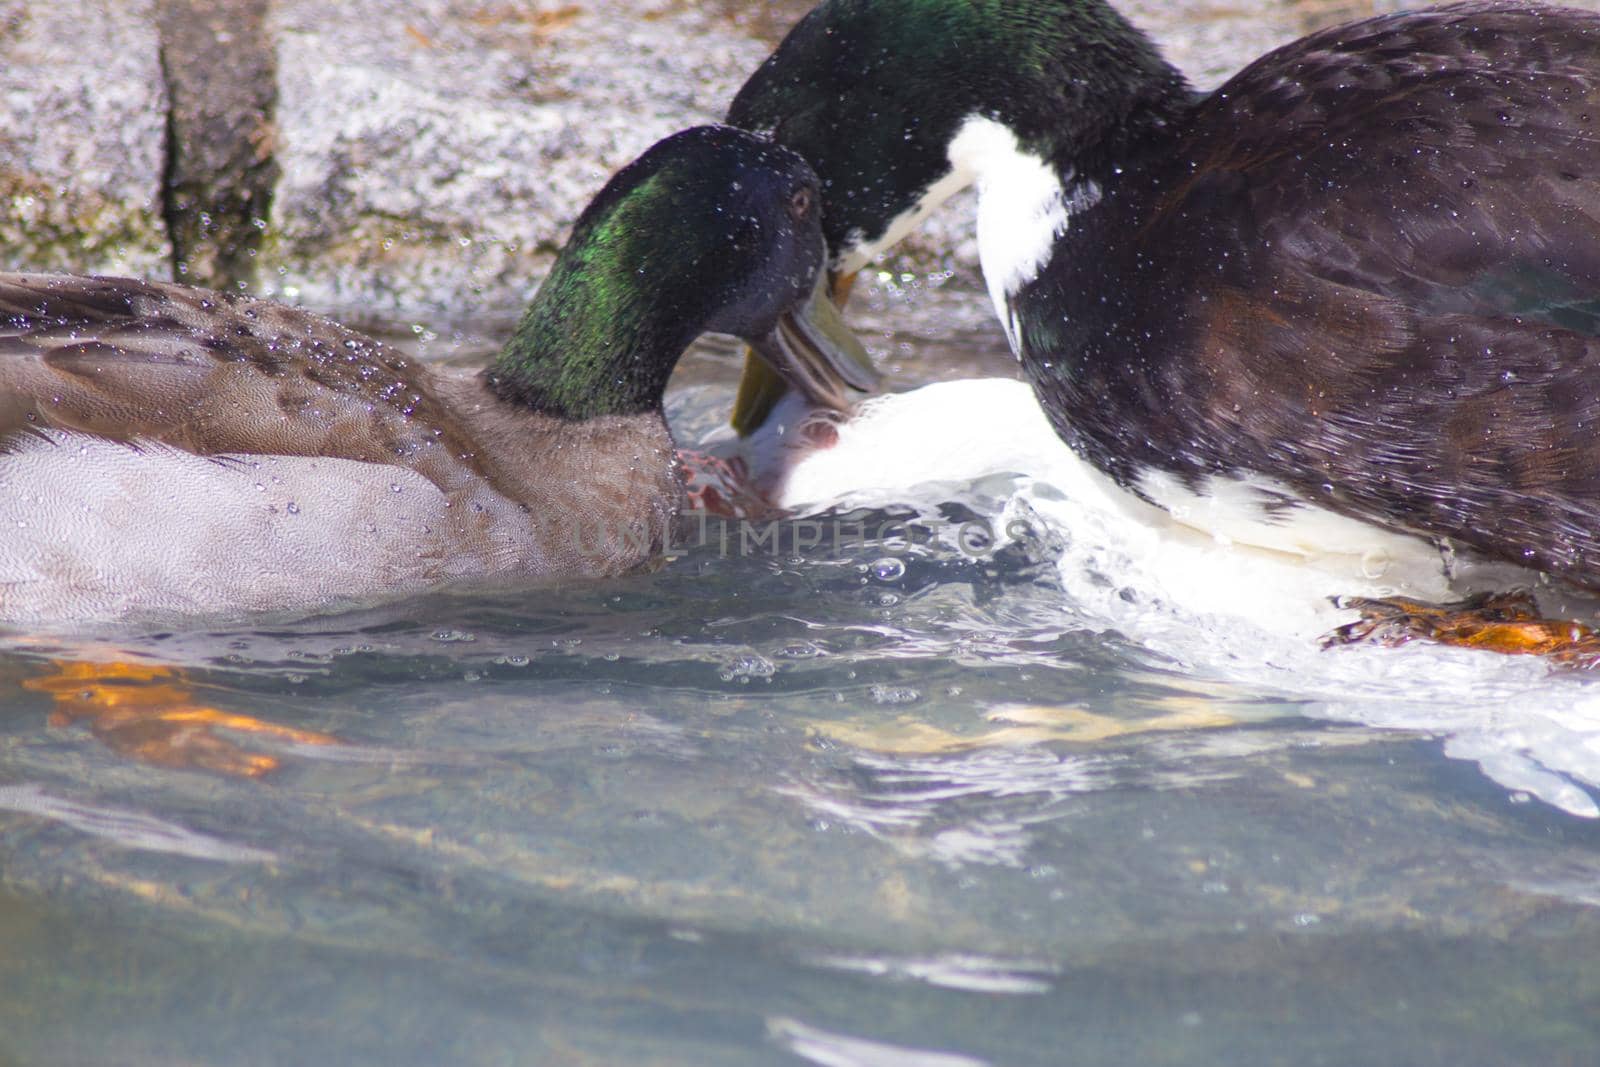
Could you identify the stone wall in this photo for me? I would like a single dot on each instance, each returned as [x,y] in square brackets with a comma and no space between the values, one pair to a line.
[83,114]
[403,159]
[414,160]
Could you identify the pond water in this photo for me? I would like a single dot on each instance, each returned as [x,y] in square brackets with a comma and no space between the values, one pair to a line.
[888,802]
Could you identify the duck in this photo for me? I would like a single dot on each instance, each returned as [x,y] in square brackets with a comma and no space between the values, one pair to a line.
[167,451]
[1351,296]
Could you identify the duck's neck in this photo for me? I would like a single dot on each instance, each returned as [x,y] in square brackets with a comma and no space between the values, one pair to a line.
[1024,205]
[1028,195]
[1053,104]
[1034,172]
[591,344]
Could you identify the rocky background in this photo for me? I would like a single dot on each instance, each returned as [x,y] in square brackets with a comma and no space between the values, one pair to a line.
[408,160]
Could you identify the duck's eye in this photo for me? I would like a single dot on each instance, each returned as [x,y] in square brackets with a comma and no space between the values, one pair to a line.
[800,202]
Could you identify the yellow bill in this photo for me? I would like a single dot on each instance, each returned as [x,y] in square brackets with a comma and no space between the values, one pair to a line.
[812,351]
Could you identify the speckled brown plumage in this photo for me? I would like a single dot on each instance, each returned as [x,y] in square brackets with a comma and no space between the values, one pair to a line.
[513,491]
[221,375]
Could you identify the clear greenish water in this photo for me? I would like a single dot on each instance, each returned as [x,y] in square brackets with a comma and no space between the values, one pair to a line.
[772,808]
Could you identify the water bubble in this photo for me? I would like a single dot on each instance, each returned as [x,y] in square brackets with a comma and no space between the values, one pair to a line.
[743,668]
[888,569]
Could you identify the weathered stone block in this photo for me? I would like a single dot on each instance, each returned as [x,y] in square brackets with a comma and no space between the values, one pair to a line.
[435,154]
[222,85]
[83,112]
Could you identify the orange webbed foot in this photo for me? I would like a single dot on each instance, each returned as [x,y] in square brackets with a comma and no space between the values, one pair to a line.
[150,713]
[1508,623]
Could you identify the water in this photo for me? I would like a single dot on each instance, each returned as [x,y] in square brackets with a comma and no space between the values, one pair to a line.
[888,802]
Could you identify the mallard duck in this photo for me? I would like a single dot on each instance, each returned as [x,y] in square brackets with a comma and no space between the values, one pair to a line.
[170,451]
[1353,291]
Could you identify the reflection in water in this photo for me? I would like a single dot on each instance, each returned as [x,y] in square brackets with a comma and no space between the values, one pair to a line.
[820,1046]
[127,828]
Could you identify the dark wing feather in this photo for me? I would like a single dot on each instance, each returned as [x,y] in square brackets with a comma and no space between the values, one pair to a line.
[1451,158]
[213,374]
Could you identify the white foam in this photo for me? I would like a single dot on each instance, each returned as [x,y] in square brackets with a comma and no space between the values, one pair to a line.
[1226,599]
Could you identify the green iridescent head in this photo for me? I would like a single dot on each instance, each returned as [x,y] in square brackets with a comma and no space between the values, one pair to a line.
[711,230]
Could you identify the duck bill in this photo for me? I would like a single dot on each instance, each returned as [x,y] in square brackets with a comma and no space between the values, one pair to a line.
[811,351]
